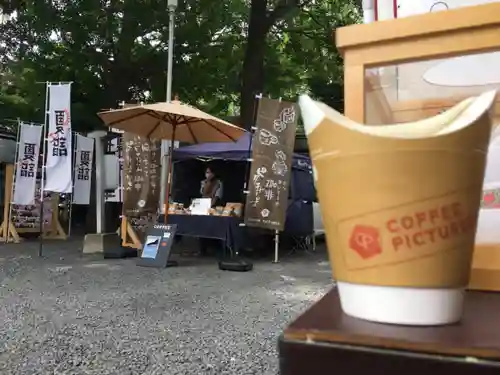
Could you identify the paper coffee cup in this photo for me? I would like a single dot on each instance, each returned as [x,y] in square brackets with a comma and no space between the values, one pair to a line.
[399,206]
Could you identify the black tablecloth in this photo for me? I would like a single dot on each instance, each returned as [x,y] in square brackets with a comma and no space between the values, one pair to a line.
[299,218]
[224,228]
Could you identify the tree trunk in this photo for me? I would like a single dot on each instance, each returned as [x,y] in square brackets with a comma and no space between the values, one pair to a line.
[121,66]
[252,76]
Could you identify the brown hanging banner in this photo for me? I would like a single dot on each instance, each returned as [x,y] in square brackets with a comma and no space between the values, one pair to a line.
[141,180]
[273,144]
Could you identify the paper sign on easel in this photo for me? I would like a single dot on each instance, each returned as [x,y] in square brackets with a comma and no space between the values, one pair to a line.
[201,206]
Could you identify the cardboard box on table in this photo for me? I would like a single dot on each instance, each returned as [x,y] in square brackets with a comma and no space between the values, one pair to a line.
[412,68]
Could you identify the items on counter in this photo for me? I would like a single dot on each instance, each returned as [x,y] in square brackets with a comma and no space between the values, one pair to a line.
[230,209]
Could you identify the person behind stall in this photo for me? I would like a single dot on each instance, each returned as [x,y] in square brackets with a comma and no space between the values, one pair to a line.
[211,187]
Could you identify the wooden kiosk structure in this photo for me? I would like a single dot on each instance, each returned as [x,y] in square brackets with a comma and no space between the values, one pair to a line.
[9,232]
[385,63]
[324,339]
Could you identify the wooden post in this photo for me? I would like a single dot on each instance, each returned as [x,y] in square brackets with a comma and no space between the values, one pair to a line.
[127,232]
[8,231]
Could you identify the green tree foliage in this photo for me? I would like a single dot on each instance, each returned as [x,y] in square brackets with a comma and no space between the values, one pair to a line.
[226,51]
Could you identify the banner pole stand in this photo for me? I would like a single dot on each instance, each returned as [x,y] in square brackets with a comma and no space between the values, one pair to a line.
[276,239]
[276,246]
[70,213]
[124,226]
[233,263]
[40,236]
[8,230]
[42,178]
[13,182]
[249,160]
[126,230]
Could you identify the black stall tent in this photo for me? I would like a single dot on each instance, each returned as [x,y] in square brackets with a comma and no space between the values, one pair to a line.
[230,159]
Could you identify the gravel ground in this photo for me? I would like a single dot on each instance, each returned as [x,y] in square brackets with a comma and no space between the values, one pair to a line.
[67,314]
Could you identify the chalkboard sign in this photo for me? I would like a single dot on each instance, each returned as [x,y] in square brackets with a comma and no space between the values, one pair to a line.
[157,244]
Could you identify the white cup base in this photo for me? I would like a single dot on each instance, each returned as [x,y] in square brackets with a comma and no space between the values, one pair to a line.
[398,305]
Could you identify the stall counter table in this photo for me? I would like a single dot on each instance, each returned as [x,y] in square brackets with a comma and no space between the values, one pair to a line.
[224,228]
[326,341]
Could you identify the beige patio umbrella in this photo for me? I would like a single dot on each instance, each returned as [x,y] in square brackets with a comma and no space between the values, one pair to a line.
[173,121]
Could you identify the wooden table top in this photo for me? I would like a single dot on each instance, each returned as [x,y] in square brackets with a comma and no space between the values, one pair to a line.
[477,335]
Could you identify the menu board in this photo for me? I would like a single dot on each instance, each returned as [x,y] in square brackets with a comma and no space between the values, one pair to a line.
[157,245]
[273,144]
[28,216]
[141,180]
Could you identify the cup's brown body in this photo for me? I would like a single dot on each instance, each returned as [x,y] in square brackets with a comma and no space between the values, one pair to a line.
[400,212]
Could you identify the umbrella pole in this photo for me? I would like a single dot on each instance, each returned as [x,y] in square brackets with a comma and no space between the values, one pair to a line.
[167,187]
[169,175]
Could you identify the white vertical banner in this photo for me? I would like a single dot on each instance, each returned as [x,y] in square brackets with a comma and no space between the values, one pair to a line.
[28,152]
[166,146]
[116,161]
[58,167]
[83,169]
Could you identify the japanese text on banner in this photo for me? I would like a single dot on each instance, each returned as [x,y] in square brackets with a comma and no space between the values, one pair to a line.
[28,153]
[83,169]
[58,165]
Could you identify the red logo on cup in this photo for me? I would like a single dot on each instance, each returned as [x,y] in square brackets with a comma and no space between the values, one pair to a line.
[365,240]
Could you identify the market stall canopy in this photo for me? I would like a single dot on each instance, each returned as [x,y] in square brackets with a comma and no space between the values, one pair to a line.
[171,120]
[236,151]
[301,178]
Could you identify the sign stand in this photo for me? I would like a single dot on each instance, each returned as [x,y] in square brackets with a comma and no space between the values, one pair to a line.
[233,263]
[277,240]
[44,161]
[74,173]
[157,246]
